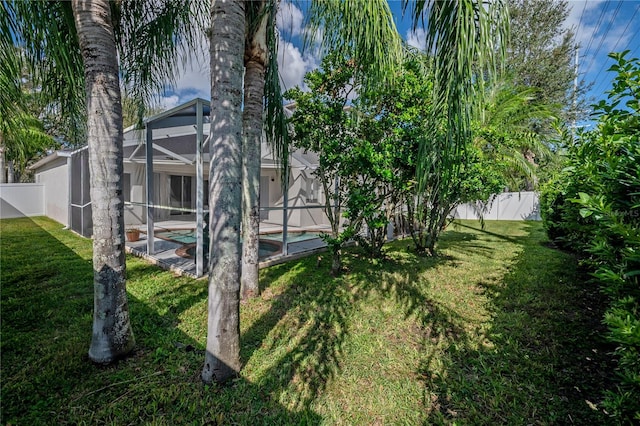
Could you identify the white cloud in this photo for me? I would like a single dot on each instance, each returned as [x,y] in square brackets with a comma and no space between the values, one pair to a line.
[592,38]
[289,19]
[293,65]
[194,79]
[168,102]
[417,38]
[584,28]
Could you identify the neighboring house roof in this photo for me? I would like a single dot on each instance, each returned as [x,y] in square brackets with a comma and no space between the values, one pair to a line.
[64,153]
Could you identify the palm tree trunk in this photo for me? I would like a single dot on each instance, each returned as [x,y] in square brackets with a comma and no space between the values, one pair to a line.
[222,358]
[255,58]
[112,335]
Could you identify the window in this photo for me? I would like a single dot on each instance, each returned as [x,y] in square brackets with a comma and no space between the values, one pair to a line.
[313,189]
[126,187]
[180,194]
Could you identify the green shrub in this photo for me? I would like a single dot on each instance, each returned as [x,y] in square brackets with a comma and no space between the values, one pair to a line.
[560,216]
[593,207]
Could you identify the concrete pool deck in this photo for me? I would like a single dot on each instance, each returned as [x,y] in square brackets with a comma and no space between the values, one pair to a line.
[165,255]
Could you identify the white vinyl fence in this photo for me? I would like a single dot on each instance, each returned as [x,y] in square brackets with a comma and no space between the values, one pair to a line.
[505,206]
[21,199]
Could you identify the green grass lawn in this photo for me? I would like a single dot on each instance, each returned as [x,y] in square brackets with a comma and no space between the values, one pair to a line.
[498,329]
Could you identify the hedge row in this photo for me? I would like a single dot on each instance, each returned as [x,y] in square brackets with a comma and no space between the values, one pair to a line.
[592,207]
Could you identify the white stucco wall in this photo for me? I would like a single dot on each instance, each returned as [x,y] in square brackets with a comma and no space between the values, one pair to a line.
[135,214]
[21,199]
[55,178]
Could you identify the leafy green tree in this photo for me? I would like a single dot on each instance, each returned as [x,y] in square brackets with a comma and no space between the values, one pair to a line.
[456,174]
[541,56]
[76,47]
[462,36]
[397,113]
[373,193]
[323,124]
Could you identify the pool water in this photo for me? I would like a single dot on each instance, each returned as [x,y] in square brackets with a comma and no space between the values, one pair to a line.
[269,244]
[265,249]
[184,236]
[188,236]
[292,237]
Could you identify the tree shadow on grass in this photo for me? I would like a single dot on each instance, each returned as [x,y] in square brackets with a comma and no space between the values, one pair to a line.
[313,322]
[47,377]
[312,326]
[542,362]
[537,364]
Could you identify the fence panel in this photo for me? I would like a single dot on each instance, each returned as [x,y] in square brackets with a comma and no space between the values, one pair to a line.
[21,199]
[505,206]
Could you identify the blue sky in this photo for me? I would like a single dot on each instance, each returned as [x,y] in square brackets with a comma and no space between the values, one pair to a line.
[600,27]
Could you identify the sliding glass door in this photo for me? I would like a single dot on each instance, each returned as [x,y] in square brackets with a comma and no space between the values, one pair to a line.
[181,195]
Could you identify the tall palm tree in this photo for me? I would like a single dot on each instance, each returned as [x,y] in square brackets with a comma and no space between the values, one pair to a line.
[112,333]
[78,45]
[461,35]
[255,63]
[502,131]
[263,115]
[467,39]
[227,36]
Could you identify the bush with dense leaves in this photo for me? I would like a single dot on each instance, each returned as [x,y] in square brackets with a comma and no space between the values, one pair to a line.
[593,208]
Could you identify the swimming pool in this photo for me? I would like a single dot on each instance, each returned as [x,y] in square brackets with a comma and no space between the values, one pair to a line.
[292,236]
[188,236]
[269,244]
[265,250]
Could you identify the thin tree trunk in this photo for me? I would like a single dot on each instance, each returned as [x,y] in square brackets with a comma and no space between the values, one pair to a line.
[222,358]
[3,176]
[112,335]
[336,261]
[11,172]
[255,57]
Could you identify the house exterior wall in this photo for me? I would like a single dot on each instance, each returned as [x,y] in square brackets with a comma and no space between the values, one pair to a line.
[135,214]
[21,199]
[313,216]
[54,176]
[272,196]
[274,193]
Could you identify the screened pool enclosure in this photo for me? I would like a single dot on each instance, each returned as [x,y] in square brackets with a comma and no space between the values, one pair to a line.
[165,187]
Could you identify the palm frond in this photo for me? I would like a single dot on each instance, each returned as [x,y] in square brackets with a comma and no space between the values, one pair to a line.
[361,30]
[275,122]
[467,39]
[154,39]
[45,32]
